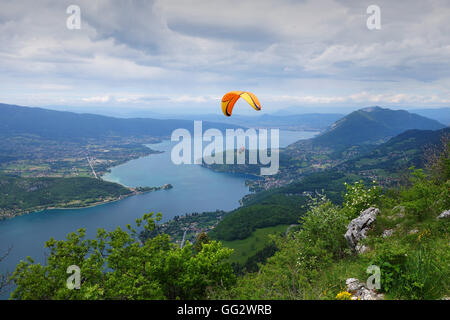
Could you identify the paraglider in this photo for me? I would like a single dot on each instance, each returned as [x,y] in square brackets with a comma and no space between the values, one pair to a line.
[230,98]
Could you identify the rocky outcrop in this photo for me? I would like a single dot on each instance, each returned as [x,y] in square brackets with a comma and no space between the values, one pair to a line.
[359,291]
[444,215]
[358,227]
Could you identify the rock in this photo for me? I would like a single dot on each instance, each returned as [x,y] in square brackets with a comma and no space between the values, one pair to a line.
[353,284]
[388,232]
[358,227]
[360,291]
[413,231]
[444,215]
[366,294]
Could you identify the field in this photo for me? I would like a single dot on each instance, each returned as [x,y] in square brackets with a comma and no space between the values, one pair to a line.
[245,248]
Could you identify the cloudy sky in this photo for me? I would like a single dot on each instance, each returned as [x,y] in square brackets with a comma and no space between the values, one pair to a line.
[167,54]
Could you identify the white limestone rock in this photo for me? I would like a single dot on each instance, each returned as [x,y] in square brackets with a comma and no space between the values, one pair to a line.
[358,227]
[444,215]
[360,291]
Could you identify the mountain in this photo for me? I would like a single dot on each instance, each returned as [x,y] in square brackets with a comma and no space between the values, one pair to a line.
[36,142]
[440,114]
[310,121]
[297,110]
[372,125]
[63,125]
[401,152]
[283,205]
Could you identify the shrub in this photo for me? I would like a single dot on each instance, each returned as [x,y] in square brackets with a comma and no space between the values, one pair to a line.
[116,266]
[358,198]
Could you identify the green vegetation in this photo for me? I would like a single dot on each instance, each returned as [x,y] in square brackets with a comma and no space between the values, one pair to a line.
[151,189]
[283,205]
[314,263]
[387,160]
[191,223]
[310,263]
[34,156]
[59,144]
[22,195]
[68,126]
[280,209]
[115,266]
[323,184]
[373,125]
[369,153]
[257,241]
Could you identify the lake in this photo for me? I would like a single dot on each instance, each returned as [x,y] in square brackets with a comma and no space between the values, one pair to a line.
[195,189]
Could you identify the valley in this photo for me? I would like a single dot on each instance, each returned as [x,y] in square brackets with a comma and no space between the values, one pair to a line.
[60,174]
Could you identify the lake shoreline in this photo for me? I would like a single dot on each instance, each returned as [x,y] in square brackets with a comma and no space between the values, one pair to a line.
[7,216]
[247,176]
[91,205]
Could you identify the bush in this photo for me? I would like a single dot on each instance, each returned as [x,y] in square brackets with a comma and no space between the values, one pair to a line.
[358,198]
[116,266]
[417,270]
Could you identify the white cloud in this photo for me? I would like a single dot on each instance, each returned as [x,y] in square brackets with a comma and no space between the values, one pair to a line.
[101,99]
[178,51]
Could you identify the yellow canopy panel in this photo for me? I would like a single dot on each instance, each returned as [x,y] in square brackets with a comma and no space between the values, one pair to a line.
[230,98]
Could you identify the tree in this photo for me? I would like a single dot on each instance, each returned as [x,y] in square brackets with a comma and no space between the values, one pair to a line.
[115,265]
[202,239]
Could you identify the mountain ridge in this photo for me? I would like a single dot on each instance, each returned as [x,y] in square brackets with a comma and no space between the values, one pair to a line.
[64,125]
[373,125]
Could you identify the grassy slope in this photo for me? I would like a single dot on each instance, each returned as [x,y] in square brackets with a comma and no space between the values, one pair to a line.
[247,247]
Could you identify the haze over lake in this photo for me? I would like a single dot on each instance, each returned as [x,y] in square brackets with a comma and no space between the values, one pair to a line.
[195,189]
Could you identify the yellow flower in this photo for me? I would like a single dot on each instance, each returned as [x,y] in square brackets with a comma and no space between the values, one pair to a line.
[344,295]
[425,233]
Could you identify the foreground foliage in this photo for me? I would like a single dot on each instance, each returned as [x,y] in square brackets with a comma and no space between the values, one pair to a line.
[314,262]
[116,265]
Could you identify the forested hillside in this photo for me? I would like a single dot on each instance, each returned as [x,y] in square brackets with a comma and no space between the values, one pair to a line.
[20,195]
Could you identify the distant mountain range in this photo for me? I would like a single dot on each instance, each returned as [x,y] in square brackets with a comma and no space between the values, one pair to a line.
[372,125]
[440,114]
[63,125]
[307,122]
[364,126]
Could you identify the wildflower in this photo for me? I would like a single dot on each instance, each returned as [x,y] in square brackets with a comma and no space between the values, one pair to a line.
[425,233]
[344,295]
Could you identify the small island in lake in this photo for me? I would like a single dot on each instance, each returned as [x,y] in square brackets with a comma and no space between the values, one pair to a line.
[150,189]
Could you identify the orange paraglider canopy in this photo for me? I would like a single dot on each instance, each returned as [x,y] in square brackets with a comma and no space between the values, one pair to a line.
[230,98]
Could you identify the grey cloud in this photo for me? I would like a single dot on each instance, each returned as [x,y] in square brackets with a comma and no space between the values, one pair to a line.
[204,47]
